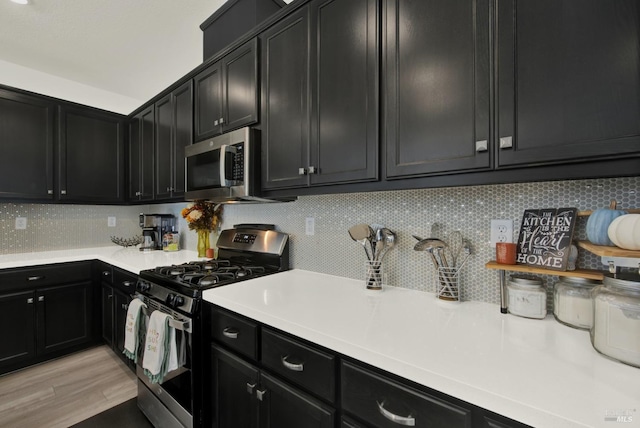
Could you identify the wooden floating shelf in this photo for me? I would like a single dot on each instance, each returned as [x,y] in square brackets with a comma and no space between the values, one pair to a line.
[602,250]
[587,213]
[579,273]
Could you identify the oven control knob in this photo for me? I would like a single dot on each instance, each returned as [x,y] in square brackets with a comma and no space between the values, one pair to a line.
[143,286]
[174,301]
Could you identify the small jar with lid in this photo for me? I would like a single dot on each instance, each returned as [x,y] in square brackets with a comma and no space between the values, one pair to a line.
[616,323]
[572,302]
[527,296]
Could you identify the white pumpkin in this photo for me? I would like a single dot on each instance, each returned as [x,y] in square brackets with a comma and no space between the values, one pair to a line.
[624,231]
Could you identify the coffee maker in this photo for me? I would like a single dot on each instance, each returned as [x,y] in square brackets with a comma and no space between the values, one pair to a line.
[154,226]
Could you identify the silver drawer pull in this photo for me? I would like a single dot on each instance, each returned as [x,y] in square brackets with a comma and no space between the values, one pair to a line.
[250,388]
[230,332]
[506,142]
[400,420]
[34,278]
[106,273]
[260,394]
[30,300]
[40,298]
[481,146]
[127,283]
[292,366]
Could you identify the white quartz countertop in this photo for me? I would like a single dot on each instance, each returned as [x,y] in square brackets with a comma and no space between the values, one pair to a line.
[538,372]
[130,259]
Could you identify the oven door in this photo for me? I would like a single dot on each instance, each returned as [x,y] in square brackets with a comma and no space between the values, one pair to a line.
[169,404]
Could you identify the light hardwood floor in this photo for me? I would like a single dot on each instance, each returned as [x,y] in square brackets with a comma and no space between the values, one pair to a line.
[63,392]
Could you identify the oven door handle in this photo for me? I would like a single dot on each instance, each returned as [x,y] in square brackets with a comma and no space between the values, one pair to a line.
[177,324]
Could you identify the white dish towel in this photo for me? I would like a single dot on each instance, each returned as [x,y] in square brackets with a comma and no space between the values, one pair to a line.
[131,328]
[160,350]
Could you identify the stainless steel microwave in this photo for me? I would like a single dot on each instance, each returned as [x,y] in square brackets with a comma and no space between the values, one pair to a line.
[225,169]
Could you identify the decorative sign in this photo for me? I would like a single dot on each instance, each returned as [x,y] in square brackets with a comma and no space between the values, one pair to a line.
[545,237]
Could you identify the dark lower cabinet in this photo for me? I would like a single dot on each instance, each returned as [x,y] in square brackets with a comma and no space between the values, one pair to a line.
[245,396]
[91,155]
[46,312]
[568,81]
[107,303]
[117,288]
[17,323]
[437,87]
[26,146]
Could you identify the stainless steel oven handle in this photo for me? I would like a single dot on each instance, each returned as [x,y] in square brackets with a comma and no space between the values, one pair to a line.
[177,324]
[230,332]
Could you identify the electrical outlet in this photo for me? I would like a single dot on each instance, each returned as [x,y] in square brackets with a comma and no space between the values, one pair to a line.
[310,226]
[21,223]
[111,221]
[501,231]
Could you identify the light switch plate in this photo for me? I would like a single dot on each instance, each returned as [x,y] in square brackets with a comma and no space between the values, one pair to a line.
[21,223]
[310,226]
[111,221]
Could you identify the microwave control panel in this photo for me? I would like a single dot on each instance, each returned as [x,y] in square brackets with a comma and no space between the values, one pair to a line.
[238,163]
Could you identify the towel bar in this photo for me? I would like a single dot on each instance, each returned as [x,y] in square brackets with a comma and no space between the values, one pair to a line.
[177,324]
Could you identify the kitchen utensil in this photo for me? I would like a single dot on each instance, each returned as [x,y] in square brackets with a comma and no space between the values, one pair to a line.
[455,246]
[389,239]
[466,249]
[377,241]
[361,233]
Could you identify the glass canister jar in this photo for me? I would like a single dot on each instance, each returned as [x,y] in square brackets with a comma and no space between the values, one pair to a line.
[616,323]
[527,296]
[572,302]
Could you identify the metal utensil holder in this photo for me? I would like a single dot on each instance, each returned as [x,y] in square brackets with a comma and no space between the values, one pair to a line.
[448,284]
[373,274]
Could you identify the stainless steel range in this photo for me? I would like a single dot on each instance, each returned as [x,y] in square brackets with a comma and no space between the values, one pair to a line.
[245,252]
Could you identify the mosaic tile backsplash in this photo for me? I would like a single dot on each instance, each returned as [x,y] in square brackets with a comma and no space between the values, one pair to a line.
[422,212]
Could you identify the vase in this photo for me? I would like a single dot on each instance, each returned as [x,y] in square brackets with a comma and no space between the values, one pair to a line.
[203,242]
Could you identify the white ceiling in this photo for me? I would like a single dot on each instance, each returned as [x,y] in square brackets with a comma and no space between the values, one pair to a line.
[132,48]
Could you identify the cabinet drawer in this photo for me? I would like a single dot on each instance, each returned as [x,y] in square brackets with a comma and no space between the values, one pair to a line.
[124,281]
[38,276]
[305,366]
[239,334]
[383,402]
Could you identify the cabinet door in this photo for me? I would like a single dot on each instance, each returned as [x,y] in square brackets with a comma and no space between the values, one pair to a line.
[568,80]
[26,146]
[121,305]
[284,406]
[436,86]
[64,316]
[208,102]
[183,135]
[285,102]
[344,112]
[108,300]
[164,130]
[234,383]
[147,151]
[18,329]
[240,71]
[91,155]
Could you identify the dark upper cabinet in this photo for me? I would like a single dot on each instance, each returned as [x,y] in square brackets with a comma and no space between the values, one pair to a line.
[26,146]
[344,88]
[437,86]
[226,93]
[141,155]
[320,95]
[568,80]
[90,155]
[285,102]
[173,131]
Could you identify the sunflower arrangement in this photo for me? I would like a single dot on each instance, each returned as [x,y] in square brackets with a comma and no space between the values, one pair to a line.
[202,215]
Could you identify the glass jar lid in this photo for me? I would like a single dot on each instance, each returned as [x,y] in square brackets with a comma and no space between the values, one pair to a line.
[627,280]
[526,280]
[583,282]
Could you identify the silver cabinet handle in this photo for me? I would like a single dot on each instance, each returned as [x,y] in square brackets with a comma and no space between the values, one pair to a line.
[168,189]
[506,142]
[292,366]
[215,122]
[138,193]
[110,296]
[313,170]
[221,120]
[400,420]
[231,333]
[125,306]
[481,146]
[302,171]
[34,278]
[261,394]
[40,298]
[106,273]
[50,192]
[250,388]
[127,283]
[30,300]
[63,192]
